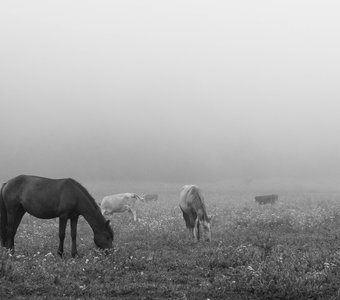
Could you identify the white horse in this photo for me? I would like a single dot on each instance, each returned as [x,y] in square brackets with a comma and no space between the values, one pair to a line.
[119,203]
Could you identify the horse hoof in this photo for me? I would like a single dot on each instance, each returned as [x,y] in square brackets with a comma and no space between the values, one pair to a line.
[10,252]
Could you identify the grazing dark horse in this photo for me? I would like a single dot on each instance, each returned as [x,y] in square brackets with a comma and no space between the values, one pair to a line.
[194,212]
[46,198]
[266,199]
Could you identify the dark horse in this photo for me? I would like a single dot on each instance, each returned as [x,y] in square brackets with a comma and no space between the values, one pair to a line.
[47,198]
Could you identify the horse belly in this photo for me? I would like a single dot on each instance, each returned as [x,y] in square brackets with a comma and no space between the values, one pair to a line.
[41,211]
[119,209]
[116,205]
[44,216]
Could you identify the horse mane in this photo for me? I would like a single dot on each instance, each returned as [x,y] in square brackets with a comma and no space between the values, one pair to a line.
[93,202]
[86,192]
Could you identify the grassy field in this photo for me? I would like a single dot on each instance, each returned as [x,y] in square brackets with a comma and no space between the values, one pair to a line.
[290,250]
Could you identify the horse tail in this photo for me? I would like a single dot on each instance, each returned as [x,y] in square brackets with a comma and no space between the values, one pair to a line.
[141,198]
[3,218]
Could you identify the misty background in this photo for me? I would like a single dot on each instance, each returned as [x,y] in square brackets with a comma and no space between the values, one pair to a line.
[179,91]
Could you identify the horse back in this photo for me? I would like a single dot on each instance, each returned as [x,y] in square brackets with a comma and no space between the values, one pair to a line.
[192,201]
[41,197]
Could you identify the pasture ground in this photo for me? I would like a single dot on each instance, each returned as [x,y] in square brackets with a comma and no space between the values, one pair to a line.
[290,250]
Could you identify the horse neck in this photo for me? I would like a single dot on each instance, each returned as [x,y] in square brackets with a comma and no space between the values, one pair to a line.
[96,223]
[202,214]
[92,215]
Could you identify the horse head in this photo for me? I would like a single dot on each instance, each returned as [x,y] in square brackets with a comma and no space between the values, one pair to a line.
[104,238]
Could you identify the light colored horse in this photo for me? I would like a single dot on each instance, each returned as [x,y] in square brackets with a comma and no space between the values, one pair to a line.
[194,212]
[119,203]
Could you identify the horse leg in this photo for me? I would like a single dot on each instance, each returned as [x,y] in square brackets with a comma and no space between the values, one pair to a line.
[192,217]
[3,227]
[133,212]
[196,232]
[191,233]
[13,222]
[9,233]
[74,222]
[188,223]
[62,227]
[134,215]
[198,224]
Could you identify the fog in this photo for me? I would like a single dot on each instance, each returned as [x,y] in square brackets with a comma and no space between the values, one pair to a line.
[180,91]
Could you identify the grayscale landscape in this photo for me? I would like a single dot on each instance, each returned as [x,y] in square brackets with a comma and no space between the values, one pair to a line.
[144,97]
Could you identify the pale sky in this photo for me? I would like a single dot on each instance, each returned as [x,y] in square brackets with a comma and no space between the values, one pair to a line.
[170,90]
